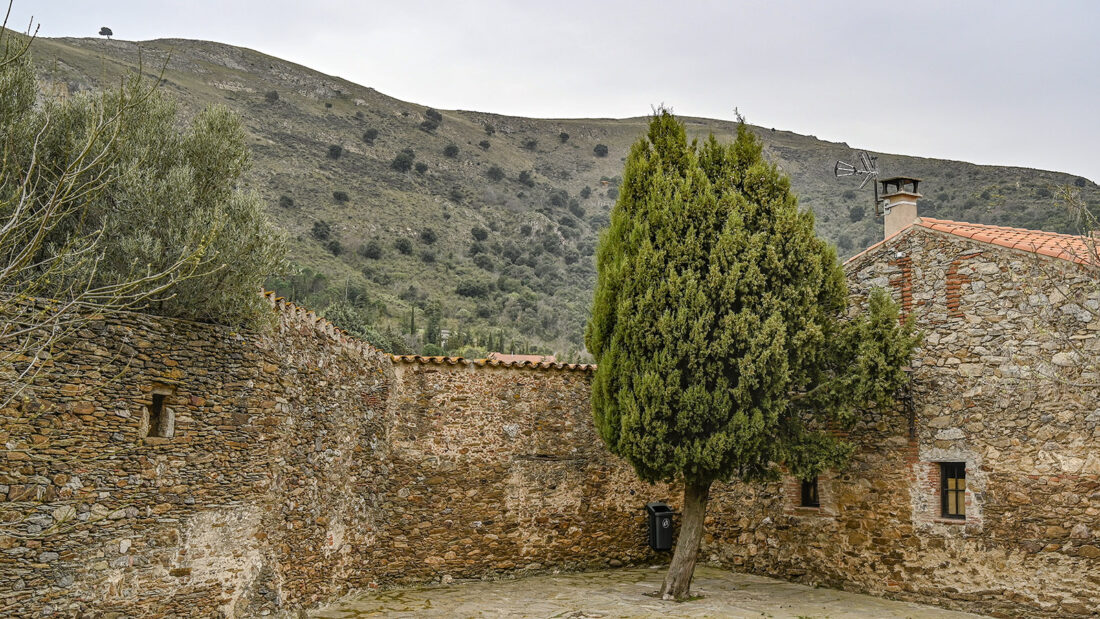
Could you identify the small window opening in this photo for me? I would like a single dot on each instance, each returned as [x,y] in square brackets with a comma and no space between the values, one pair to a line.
[161,419]
[809,493]
[953,490]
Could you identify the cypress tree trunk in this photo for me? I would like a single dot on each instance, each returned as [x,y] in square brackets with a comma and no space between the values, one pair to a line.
[677,584]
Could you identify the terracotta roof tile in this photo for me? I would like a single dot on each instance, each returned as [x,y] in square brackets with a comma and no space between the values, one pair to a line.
[1063,246]
[499,356]
[544,365]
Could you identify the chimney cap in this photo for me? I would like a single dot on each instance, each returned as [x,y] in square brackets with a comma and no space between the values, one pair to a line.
[900,184]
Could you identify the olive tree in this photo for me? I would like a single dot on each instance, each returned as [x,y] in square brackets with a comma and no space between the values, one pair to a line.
[108,203]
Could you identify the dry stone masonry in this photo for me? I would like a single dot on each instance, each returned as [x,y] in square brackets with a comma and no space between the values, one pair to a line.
[169,468]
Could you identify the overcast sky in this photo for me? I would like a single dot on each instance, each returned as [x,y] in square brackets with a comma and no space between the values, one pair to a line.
[996,82]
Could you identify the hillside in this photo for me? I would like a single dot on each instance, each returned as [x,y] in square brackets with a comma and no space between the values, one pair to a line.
[480,224]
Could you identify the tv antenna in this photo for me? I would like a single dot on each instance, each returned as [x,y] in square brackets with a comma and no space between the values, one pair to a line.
[865,168]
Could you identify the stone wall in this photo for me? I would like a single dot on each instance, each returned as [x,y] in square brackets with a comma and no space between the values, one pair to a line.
[304,465]
[230,514]
[1005,381]
[497,469]
[301,465]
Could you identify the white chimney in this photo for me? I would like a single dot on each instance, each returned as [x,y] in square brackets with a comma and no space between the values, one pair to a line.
[899,203]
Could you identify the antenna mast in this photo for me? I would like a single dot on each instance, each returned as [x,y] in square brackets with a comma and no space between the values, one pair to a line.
[867,169]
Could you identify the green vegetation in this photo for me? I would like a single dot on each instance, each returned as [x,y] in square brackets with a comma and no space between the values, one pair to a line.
[113,200]
[720,327]
[403,162]
[540,264]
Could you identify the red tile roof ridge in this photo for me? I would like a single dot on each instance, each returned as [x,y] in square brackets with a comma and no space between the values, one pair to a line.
[1068,247]
[545,365]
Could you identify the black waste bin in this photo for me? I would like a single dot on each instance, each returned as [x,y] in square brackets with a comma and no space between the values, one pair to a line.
[660,525]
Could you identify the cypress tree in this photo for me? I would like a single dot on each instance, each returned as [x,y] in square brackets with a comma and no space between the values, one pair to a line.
[720,328]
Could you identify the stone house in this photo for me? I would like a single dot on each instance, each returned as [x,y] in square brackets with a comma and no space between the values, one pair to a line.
[983,492]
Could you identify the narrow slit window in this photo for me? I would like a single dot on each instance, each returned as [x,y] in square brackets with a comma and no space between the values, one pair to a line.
[161,422]
[953,490]
[809,493]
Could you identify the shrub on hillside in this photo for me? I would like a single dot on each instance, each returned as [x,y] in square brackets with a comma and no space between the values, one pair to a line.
[600,150]
[286,201]
[479,233]
[335,150]
[576,208]
[586,192]
[340,196]
[489,129]
[450,150]
[433,115]
[563,137]
[613,192]
[857,213]
[495,173]
[428,236]
[271,96]
[321,230]
[404,246]
[370,135]
[334,247]
[559,198]
[403,162]
[371,249]
[472,289]
[429,126]
[527,178]
[456,195]
[427,256]
[421,167]
[1080,181]
[530,143]
[483,262]
[484,144]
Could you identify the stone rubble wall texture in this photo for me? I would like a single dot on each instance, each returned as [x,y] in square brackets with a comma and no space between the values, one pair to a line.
[306,465]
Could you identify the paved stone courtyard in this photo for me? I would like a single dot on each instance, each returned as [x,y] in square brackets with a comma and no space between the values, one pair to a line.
[628,593]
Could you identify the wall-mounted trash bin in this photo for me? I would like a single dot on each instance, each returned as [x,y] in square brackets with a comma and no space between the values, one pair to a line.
[660,525]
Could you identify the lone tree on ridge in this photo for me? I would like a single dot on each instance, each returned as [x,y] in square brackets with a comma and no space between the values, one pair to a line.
[105,32]
[720,328]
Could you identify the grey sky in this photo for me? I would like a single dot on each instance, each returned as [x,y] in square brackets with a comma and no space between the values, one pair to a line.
[999,82]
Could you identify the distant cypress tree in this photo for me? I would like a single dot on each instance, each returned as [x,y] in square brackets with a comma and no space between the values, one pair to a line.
[718,326]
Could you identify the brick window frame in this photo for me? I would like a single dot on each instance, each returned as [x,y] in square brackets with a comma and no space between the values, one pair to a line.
[926,500]
[953,490]
[792,497]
